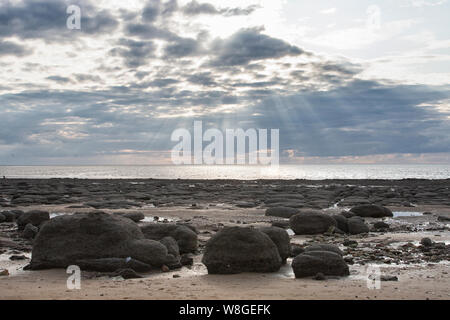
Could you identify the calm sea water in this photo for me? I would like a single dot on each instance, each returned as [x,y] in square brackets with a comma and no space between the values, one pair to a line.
[310,172]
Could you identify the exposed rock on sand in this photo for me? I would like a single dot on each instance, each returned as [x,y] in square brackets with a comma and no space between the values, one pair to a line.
[235,250]
[185,237]
[324,247]
[35,217]
[9,216]
[135,216]
[311,222]
[281,239]
[282,212]
[342,222]
[356,225]
[30,231]
[309,264]
[64,240]
[372,211]
[113,264]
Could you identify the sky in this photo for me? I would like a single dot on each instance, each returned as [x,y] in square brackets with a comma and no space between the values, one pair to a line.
[351,81]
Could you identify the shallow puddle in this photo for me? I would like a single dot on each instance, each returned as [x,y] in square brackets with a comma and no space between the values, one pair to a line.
[407,214]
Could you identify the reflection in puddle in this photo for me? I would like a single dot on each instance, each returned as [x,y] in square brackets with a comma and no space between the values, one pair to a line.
[407,214]
[157,219]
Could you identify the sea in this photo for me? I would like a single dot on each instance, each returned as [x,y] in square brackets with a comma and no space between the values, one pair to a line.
[245,172]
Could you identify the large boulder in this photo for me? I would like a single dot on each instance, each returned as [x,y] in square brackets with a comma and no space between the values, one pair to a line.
[372,211]
[30,231]
[135,216]
[311,222]
[9,216]
[281,239]
[185,237]
[342,222]
[324,247]
[171,245]
[64,240]
[235,250]
[35,217]
[112,264]
[309,264]
[356,225]
[282,212]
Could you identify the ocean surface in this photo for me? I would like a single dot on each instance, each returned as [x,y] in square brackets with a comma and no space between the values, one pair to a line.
[310,172]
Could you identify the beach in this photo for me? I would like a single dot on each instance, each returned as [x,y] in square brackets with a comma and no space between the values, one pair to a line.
[409,268]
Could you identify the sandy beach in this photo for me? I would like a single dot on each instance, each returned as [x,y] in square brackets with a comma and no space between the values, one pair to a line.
[210,206]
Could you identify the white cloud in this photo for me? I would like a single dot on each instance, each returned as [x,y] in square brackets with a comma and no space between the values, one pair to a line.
[328,11]
[426,3]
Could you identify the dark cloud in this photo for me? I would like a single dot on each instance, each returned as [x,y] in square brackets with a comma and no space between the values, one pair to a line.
[194,8]
[8,48]
[87,78]
[135,53]
[249,45]
[149,31]
[59,79]
[47,19]
[361,118]
[182,47]
[204,79]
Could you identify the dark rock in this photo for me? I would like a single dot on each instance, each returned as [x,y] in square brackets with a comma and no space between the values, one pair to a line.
[324,247]
[126,274]
[112,264]
[17,258]
[347,214]
[64,240]
[281,239]
[171,245]
[320,277]
[2,218]
[381,225]
[388,278]
[329,263]
[444,218]
[342,222]
[357,226]
[185,237]
[426,242]
[30,231]
[35,217]
[135,216]
[311,222]
[350,243]
[372,211]
[187,259]
[296,249]
[281,224]
[9,216]
[282,212]
[236,250]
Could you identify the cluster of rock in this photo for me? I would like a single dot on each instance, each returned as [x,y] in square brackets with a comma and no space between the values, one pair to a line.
[98,241]
[310,221]
[28,223]
[125,194]
[235,250]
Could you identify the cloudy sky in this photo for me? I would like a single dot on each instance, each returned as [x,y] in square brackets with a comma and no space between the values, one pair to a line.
[351,81]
